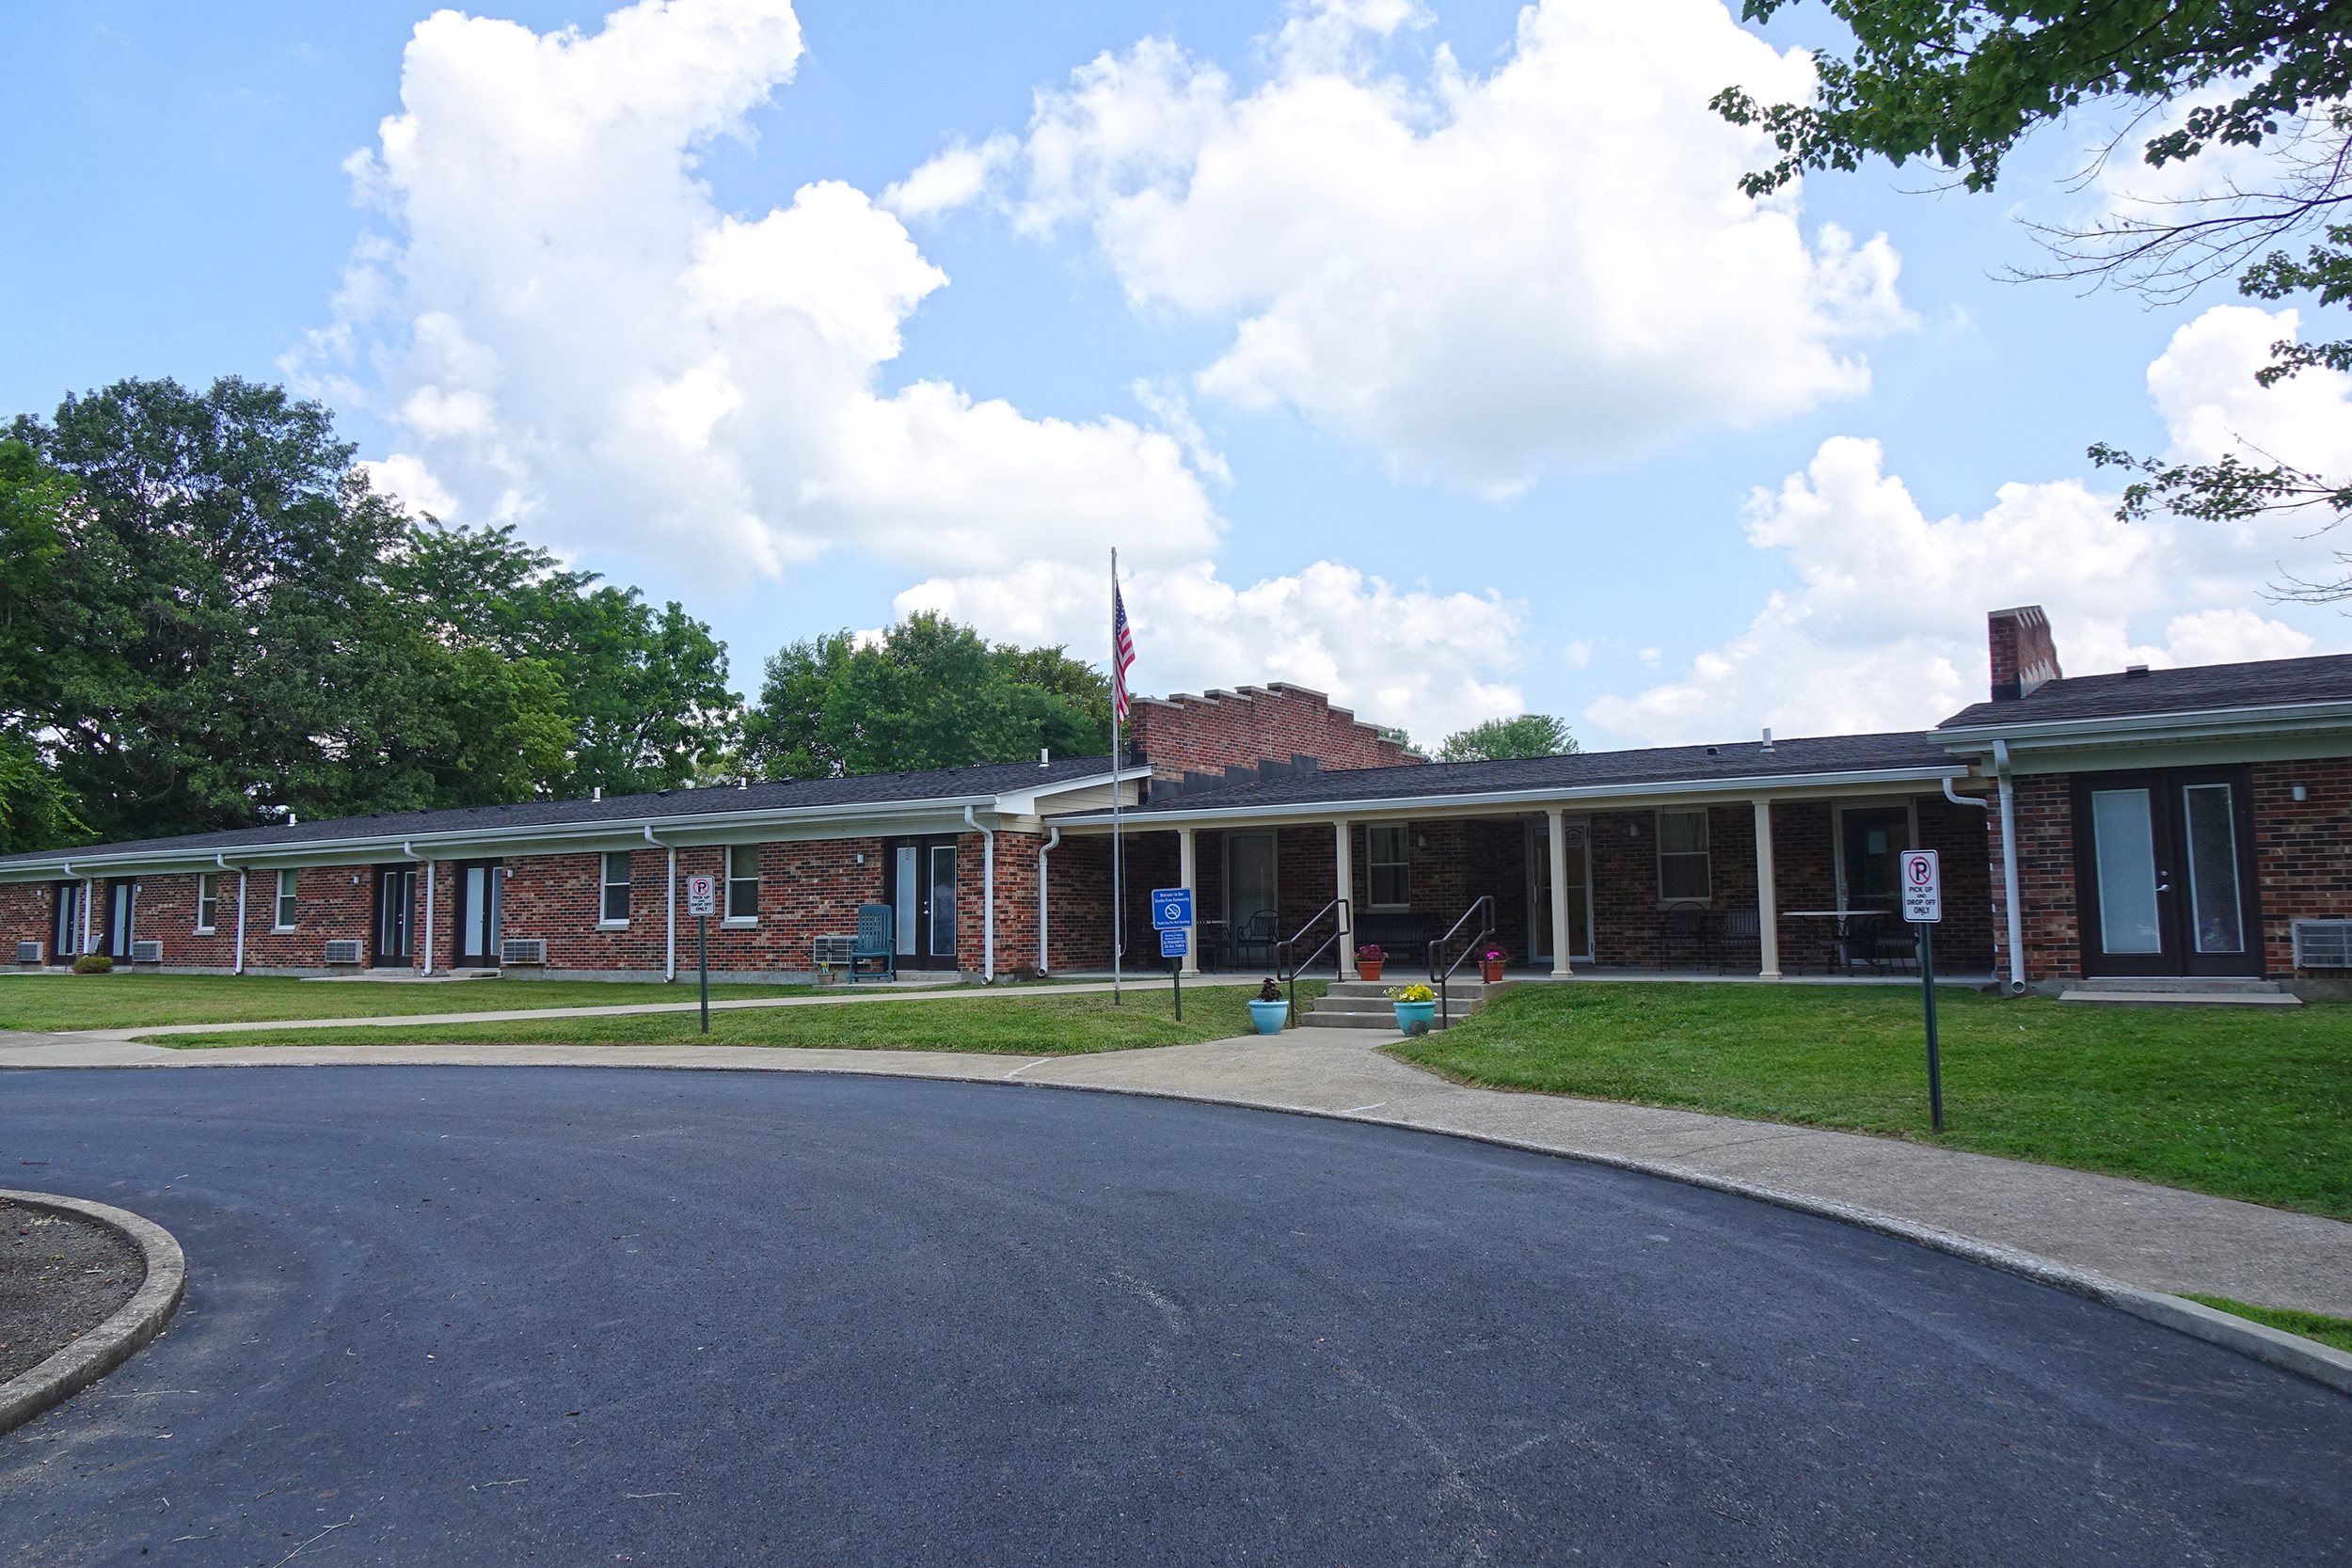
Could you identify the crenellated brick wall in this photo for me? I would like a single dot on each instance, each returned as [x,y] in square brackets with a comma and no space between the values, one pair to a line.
[1221,728]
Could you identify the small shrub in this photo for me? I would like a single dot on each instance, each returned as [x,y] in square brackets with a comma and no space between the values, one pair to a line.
[93,963]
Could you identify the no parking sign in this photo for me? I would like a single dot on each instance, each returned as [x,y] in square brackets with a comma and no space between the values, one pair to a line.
[1923,887]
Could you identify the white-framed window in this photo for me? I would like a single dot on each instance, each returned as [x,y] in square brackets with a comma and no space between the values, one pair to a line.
[284,919]
[1388,865]
[207,902]
[1682,860]
[613,908]
[742,881]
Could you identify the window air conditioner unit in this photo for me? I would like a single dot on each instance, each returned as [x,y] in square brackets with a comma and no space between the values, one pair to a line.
[523,950]
[148,952]
[2323,943]
[343,950]
[28,952]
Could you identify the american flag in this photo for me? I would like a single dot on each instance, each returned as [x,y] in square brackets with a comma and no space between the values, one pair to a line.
[1122,650]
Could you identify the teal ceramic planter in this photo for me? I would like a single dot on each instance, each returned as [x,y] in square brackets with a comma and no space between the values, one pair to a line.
[1414,1017]
[1269,1016]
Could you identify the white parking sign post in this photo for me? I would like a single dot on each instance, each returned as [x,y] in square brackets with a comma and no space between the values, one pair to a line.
[1923,906]
[702,902]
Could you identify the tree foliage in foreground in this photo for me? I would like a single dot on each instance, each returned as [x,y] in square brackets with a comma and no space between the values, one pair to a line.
[1959,82]
[928,693]
[1530,735]
[208,618]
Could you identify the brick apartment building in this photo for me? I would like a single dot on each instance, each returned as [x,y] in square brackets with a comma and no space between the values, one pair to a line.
[2192,822]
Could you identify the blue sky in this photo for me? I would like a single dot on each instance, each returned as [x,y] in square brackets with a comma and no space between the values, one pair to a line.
[1433,295]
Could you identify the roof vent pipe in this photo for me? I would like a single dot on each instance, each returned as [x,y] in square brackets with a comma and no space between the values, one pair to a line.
[1044,756]
[2134,671]
[1767,737]
[596,792]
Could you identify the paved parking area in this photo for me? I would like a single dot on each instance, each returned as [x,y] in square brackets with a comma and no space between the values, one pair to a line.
[503,1315]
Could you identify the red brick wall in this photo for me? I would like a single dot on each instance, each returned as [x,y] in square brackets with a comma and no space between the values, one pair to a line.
[327,905]
[27,914]
[2043,807]
[1208,734]
[2303,851]
[2024,654]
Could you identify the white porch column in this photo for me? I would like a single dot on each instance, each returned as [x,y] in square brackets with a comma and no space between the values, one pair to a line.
[1767,901]
[1185,878]
[1344,853]
[1559,851]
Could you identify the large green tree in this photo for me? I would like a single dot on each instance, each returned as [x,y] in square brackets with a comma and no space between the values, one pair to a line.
[1530,735]
[1961,82]
[928,693]
[212,618]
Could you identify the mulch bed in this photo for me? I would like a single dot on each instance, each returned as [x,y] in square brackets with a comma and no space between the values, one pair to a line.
[60,1277]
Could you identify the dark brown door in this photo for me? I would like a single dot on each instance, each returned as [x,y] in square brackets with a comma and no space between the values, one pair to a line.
[479,888]
[2164,864]
[395,916]
[922,899]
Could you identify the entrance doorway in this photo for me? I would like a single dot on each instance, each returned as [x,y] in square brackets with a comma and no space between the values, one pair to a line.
[395,911]
[923,902]
[1577,836]
[1253,898]
[122,918]
[2165,864]
[478,892]
[1870,843]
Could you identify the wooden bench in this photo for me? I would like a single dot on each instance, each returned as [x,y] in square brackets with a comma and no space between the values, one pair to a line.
[872,941]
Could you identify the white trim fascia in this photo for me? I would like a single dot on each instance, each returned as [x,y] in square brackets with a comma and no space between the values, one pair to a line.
[2200,724]
[1024,802]
[1600,797]
[864,819]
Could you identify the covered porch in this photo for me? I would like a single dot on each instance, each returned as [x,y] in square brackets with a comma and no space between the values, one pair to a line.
[1782,886]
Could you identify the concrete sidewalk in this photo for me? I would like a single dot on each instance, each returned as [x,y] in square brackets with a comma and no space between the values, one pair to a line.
[2158,1238]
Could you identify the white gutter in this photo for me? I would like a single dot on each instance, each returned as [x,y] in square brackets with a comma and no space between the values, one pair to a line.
[669,940]
[428,901]
[1053,836]
[452,844]
[1743,789]
[2203,722]
[988,897]
[2009,869]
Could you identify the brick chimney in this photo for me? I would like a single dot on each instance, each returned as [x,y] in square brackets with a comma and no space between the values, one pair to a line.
[2024,656]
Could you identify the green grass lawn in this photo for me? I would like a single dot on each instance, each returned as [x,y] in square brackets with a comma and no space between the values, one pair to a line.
[1026,1026]
[2253,1103]
[2312,1325]
[50,1001]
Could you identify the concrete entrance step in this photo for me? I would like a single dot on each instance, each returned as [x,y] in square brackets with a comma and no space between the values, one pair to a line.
[1456,987]
[2202,984]
[2272,997]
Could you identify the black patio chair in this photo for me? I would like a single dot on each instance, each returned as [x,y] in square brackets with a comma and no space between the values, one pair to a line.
[1741,929]
[1682,925]
[1879,941]
[1253,940]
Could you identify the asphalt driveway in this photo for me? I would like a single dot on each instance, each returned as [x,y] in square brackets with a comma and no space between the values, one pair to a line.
[482,1315]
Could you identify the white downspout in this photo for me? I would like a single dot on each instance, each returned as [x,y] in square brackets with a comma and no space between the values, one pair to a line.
[669,940]
[236,965]
[1053,836]
[82,891]
[988,897]
[2009,870]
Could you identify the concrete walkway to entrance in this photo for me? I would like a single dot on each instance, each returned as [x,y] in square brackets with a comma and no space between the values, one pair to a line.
[2155,1238]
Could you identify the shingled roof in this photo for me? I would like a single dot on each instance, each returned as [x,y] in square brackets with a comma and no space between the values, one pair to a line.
[1897,752]
[2154,693]
[982,780]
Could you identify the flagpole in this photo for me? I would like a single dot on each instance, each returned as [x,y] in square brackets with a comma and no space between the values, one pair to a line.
[1118,893]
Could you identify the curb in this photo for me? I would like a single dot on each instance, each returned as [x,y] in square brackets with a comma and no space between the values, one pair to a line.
[112,1342]
[2288,1352]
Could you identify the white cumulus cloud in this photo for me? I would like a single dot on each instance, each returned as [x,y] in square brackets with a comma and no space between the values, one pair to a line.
[1481,277]
[1885,628]
[567,330]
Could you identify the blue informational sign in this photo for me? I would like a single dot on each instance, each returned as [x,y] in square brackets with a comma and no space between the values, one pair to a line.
[1175,940]
[1172,906]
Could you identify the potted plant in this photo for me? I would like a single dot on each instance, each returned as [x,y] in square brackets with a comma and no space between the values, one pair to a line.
[1268,1012]
[1416,1006]
[1490,964]
[1369,957]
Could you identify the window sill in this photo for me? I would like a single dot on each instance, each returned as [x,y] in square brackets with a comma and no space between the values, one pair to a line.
[283,930]
[738,923]
[203,931]
[612,924]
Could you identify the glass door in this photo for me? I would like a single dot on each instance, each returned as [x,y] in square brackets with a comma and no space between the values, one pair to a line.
[1539,893]
[1870,842]
[2165,862]
[940,905]
[1253,898]
[123,906]
[478,914]
[395,906]
[922,893]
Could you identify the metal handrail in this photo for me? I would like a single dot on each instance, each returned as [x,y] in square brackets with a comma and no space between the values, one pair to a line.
[1483,909]
[1288,972]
